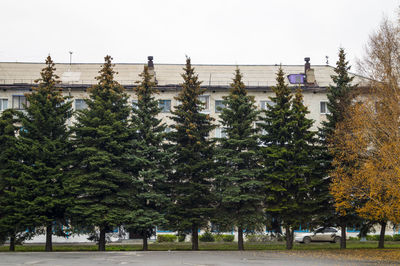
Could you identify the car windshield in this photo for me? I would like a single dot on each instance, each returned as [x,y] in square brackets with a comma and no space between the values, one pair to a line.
[325,230]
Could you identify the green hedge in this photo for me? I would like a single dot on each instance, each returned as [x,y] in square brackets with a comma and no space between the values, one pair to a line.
[373,237]
[224,238]
[388,238]
[258,238]
[166,238]
[376,238]
[396,237]
[207,237]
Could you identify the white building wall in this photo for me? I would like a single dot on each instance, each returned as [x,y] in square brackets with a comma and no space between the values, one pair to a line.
[311,100]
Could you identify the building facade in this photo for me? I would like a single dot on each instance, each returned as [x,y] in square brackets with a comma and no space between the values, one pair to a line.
[17,79]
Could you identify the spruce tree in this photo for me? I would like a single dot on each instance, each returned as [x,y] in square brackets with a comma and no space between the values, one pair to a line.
[339,96]
[288,159]
[191,176]
[45,135]
[148,159]
[306,164]
[14,216]
[240,202]
[100,184]
[339,99]
[8,178]
[276,156]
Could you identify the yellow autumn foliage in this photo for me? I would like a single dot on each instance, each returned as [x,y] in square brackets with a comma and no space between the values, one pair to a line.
[366,175]
[366,145]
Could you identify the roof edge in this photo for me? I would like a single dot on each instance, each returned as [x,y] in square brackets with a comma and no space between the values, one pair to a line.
[166,64]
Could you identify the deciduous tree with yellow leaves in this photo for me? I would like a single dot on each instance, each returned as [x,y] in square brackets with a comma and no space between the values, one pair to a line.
[366,176]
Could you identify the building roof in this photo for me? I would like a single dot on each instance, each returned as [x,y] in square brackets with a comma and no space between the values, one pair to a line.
[166,74]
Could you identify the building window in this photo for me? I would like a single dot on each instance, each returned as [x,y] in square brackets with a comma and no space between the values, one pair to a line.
[160,229]
[80,104]
[206,101]
[324,108]
[19,102]
[264,104]
[113,230]
[219,105]
[220,132]
[3,104]
[135,104]
[165,105]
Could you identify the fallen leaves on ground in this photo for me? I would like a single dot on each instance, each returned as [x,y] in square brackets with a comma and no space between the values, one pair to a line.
[372,255]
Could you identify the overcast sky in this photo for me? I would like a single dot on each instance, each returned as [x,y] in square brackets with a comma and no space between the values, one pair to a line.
[209,31]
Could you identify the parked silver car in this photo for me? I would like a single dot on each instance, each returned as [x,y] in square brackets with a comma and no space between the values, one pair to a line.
[327,234]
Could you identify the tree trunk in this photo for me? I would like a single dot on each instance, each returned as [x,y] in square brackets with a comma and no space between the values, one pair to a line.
[240,238]
[343,236]
[49,233]
[382,235]
[12,242]
[195,237]
[289,237]
[292,237]
[102,239]
[145,245]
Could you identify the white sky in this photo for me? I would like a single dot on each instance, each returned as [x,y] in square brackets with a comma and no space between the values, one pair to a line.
[209,31]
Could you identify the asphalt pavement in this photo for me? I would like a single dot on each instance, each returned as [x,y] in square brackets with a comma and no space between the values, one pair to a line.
[167,258]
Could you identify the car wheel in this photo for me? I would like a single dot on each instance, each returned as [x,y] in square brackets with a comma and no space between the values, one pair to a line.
[336,239]
[307,240]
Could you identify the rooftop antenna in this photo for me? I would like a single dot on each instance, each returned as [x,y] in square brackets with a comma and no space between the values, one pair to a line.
[70,59]
[327,60]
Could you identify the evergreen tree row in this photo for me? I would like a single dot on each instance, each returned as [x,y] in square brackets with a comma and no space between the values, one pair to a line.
[116,165]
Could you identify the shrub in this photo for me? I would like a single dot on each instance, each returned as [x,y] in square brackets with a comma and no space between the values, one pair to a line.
[228,238]
[218,238]
[373,237]
[224,238]
[251,238]
[166,238]
[376,238]
[181,238]
[396,237]
[280,238]
[207,237]
[258,238]
[354,238]
[388,238]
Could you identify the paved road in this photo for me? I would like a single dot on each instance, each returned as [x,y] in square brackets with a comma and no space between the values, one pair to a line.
[200,258]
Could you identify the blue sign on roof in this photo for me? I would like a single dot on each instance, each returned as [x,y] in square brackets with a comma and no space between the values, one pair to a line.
[296,78]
